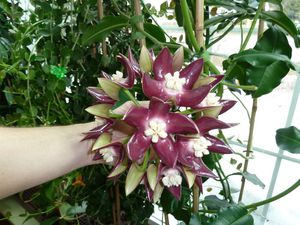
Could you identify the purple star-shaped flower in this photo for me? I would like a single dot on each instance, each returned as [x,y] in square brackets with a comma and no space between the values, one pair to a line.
[173,85]
[155,126]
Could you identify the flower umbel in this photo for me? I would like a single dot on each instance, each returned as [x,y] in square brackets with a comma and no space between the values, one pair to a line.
[145,129]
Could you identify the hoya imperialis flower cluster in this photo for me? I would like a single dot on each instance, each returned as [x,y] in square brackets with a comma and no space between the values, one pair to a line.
[161,134]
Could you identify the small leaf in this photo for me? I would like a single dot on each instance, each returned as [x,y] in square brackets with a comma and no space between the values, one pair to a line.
[103,140]
[133,179]
[58,71]
[110,88]
[101,110]
[253,179]
[288,139]
[152,176]
[213,111]
[233,161]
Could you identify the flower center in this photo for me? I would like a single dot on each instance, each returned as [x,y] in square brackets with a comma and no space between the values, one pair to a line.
[108,154]
[118,76]
[174,82]
[200,147]
[211,100]
[156,130]
[172,178]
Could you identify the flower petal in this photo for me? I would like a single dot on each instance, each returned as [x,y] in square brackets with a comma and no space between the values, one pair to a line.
[218,146]
[226,105]
[191,73]
[158,108]
[217,80]
[100,95]
[133,179]
[175,191]
[95,132]
[166,151]
[136,116]
[178,59]
[154,88]
[134,63]
[192,97]
[148,190]
[178,123]
[137,145]
[163,64]
[206,124]
[129,80]
[109,87]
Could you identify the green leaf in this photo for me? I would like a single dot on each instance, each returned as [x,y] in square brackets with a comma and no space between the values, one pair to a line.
[155,31]
[101,30]
[214,203]
[253,179]
[265,65]
[58,71]
[233,215]
[283,21]
[288,139]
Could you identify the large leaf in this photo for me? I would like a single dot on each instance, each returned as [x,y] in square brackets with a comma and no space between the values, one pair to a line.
[214,203]
[155,31]
[101,30]
[283,21]
[233,215]
[265,65]
[288,139]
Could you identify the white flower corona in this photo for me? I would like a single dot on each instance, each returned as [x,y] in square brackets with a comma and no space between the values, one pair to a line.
[156,129]
[172,178]
[118,76]
[200,146]
[108,154]
[174,82]
[211,100]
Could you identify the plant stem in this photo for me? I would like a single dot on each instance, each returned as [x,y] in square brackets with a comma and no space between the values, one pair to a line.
[113,208]
[195,198]
[242,103]
[243,87]
[118,207]
[166,218]
[140,25]
[188,24]
[276,197]
[249,145]
[199,25]
[100,15]
[259,9]
[119,10]
[131,97]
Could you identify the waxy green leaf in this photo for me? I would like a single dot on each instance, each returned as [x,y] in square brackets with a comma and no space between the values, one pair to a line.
[101,30]
[288,139]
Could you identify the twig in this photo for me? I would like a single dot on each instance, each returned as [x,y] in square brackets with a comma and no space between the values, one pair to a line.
[140,25]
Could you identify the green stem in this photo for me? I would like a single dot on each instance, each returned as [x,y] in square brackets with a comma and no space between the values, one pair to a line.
[276,197]
[259,9]
[188,24]
[217,167]
[131,97]
[117,116]
[243,87]
[264,202]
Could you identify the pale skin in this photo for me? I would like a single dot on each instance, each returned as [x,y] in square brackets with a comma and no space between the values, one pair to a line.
[32,156]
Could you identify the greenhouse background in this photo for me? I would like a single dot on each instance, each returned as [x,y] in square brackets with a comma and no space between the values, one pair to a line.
[276,169]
